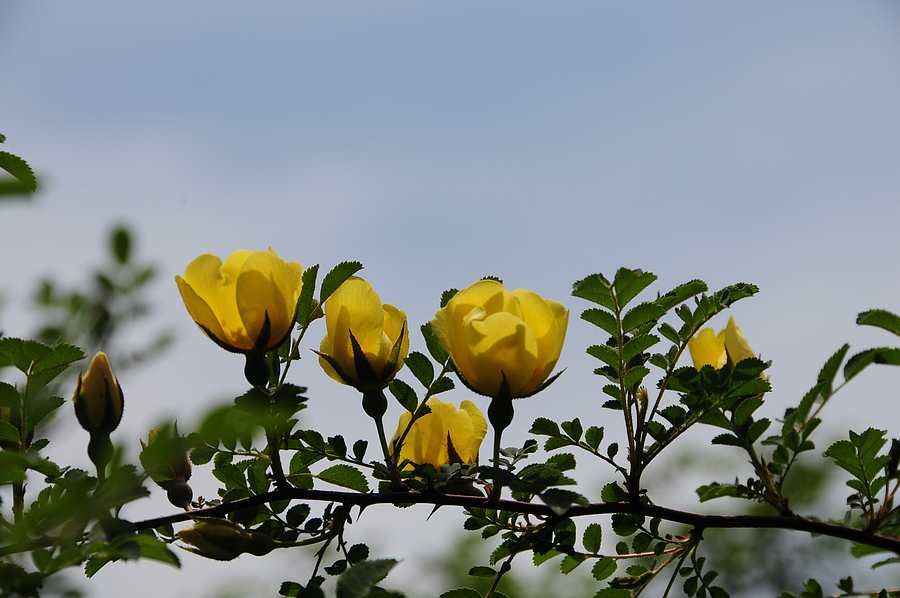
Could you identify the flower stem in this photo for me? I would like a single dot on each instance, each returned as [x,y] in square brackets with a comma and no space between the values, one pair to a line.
[274,450]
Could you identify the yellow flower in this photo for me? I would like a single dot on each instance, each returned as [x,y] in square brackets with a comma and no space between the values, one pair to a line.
[246,304]
[355,312]
[492,334]
[223,540]
[446,435]
[709,348]
[737,346]
[98,397]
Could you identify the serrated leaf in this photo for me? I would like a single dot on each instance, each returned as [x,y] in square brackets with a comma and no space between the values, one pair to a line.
[24,180]
[681,293]
[603,568]
[404,394]
[461,593]
[335,277]
[593,536]
[602,319]
[629,283]
[307,291]
[879,355]
[346,476]
[358,580]
[481,571]
[569,563]
[421,367]
[435,348]
[880,318]
[641,314]
[544,427]
[593,436]
[594,288]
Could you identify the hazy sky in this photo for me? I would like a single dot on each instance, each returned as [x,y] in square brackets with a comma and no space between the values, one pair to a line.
[437,142]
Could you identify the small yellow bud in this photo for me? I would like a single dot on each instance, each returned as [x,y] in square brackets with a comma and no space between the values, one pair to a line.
[98,398]
[223,540]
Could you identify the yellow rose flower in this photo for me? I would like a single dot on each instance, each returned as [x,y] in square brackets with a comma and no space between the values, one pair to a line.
[354,312]
[492,334]
[446,435]
[709,348]
[246,304]
[98,397]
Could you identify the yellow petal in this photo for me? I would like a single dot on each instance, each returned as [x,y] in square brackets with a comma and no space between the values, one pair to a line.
[200,310]
[737,346]
[502,346]
[548,320]
[708,348]
[477,430]
[215,284]
[266,285]
[395,323]
[356,307]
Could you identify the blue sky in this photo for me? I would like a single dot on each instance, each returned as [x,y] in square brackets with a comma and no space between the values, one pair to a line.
[438,142]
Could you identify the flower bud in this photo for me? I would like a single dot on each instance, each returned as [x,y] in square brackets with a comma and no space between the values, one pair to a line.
[366,341]
[444,436]
[499,338]
[164,458]
[246,304]
[223,540]
[98,398]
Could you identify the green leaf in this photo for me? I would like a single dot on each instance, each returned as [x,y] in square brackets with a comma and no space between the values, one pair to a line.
[603,569]
[880,355]
[307,290]
[569,563]
[596,289]
[8,432]
[629,283]
[336,277]
[25,181]
[830,369]
[482,572]
[120,244]
[461,593]
[603,319]
[593,536]
[404,394]
[155,550]
[604,353]
[640,315]
[346,476]
[593,437]
[880,318]
[681,293]
[297,514]
[613,593]
[230,475]
[638,345]
[421,367]
[434,345]
[544,427]
[573,429]
[358,580]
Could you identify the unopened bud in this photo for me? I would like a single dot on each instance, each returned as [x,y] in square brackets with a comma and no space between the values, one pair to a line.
[164,458]
[222,540]
[98,398]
